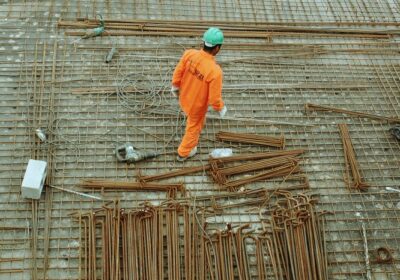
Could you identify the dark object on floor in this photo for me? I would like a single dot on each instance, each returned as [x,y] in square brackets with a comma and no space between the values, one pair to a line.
[395,131]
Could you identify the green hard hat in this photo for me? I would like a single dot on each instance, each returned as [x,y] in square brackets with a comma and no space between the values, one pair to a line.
[213,36]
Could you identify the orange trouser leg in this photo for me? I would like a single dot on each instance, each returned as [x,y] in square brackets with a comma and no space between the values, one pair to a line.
[194,125]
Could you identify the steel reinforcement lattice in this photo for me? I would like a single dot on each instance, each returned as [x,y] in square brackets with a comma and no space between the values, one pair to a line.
[62,84]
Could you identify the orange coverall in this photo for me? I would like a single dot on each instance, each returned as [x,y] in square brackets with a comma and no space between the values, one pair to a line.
[199,79]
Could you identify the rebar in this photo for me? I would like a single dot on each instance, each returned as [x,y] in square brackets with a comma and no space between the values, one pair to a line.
[252,139]
[351,161]
[131,186]
[232,29]
[315,107]
[271,168]
[296,238]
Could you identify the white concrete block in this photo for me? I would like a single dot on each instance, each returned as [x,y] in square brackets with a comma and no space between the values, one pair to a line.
[34,178]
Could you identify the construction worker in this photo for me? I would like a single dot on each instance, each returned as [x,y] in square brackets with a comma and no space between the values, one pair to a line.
[197,81]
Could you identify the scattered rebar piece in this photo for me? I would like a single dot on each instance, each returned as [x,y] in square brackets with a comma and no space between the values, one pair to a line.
[315,107]
[351,161]
[278,142]
[258,121]
[179,172]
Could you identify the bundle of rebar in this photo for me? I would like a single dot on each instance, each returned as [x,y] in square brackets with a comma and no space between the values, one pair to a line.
[270,168]
[107,222]
[226,254]
[278,142]
[174,241]
[294,235]
[206,167]
[321,108]
[133,186]
[147,243]
[146,234]
[231,29]
[292,246]
[351,161]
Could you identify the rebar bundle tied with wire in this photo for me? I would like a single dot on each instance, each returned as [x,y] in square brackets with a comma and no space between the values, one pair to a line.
[189,28]
[351,161]
[278,142]
[171,189]
[280,166]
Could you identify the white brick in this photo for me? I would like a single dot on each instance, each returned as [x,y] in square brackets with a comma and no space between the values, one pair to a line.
[34,178]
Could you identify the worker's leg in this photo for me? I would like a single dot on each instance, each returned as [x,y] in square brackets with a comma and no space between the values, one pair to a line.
[194,125]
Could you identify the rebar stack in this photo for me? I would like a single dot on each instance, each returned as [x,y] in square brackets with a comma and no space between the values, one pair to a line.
[278,142]
[107,221]
[203,168]
[174,241]
[232,29]
[277,56]
[321,108]
[294,232]
[171,189]
[147,243]
[270,168]
[351,161]
[150,234]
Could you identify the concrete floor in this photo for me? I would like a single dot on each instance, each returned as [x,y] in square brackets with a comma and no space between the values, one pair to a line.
[43,70]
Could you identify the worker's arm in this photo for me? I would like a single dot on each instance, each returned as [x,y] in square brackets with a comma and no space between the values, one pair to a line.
[215,93]
[179,70]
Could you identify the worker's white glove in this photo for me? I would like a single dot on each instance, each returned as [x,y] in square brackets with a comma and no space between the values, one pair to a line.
[175,91]
[223,112]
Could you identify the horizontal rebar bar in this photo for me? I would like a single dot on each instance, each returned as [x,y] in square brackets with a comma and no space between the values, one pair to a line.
[315,107]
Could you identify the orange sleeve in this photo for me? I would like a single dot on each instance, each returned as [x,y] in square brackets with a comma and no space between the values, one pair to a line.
[215,92]
[179,70]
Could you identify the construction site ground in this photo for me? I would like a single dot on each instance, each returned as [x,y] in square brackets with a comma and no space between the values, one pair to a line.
[342,54]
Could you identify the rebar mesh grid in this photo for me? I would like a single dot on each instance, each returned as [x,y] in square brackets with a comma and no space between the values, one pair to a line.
[43,75]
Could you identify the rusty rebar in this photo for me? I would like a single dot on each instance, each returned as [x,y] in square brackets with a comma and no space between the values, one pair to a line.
[321,108]
[278,142]
[352,164]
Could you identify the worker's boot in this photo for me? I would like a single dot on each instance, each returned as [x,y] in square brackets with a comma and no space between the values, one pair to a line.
[191,154]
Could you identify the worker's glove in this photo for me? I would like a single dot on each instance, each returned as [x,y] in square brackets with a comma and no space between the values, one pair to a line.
[175,91]
[223,112]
